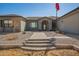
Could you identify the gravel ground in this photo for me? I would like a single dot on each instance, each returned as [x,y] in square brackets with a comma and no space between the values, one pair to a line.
[20,38]
[56,52]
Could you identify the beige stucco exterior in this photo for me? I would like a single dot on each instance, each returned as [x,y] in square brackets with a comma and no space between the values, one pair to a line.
[20,23]
[45,19]
[23,24]
[15,23]
[70,22]
[39,21]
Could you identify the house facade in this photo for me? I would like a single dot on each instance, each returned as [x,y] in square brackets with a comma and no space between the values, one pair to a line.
[69,22]
[40,23]
[10,23]
[16,23]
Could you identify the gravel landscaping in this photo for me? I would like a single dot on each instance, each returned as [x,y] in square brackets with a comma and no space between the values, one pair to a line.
[56,52]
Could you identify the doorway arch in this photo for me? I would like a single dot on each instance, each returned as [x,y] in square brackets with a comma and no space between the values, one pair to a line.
[44,25]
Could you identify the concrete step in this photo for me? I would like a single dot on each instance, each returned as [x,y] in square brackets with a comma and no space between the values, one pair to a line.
[38,40]
[38,45]
[38,48]
[34,42]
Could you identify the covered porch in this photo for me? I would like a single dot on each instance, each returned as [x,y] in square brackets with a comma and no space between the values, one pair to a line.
[40,25]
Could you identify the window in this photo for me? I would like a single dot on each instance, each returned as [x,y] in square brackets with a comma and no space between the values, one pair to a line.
[8,23]
[5,23]
[33,25]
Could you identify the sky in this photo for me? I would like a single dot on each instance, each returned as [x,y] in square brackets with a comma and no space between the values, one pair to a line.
[36,9]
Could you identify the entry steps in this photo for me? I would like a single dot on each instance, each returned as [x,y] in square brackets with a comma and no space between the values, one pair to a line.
[39,44]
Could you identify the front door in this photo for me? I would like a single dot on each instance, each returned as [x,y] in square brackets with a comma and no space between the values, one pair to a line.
[44,25]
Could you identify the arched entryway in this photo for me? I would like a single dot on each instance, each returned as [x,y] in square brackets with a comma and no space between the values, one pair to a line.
[45,25]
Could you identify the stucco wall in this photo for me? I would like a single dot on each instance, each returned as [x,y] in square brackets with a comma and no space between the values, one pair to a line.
[49,23]
[69,24]
[23,24]
[16,23]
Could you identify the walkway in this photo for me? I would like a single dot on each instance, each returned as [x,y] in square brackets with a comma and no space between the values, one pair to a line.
[38,41]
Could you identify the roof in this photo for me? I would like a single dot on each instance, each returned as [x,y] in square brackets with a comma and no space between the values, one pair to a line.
[38,18]
[70,12]
[11,15]
[32,18]
[29,18]
[52,17]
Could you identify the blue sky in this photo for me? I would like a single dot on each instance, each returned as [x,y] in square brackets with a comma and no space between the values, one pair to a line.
[36,9]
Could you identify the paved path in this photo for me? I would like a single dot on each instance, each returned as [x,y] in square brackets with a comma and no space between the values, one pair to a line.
[38,41]
[38,35]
